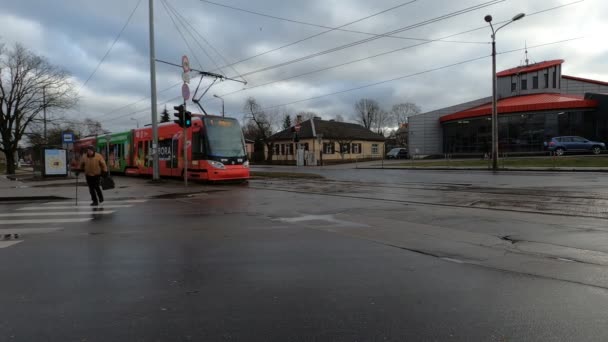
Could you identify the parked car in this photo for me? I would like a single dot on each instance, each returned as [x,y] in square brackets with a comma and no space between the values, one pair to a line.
[561,145]
[397,153]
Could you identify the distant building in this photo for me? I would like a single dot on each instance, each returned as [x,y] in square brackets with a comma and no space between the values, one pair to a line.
[535,103]
[327,141]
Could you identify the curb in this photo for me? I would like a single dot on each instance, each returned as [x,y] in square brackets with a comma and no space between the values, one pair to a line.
[483,169]
[32,198]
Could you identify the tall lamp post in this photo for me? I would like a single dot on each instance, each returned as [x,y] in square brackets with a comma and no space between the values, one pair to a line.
[488,19]
[136,122]
[219,97]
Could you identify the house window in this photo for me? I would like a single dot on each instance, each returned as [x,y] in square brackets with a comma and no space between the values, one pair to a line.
[282,149]
[375,149]
[289,149]
[547,80]
[535,82]
[356,148]
[329,148]
[345,148]
[277,148]
[513,87]
[305,145]
[524,84]
[554,79]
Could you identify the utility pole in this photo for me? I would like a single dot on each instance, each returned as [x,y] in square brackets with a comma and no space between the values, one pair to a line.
[155,173]
[44,111]
[185,138]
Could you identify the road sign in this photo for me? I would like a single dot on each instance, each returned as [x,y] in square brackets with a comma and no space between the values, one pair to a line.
[186,63]
[186,77]
[67,137]
[185,92]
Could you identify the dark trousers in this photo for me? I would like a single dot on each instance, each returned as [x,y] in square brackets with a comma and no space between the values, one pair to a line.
[94,188]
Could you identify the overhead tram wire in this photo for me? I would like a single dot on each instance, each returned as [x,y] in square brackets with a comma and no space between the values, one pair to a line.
[192,28]
[324,26]
[410,75]
[111,46]
[200,65]
[472,30]
[378,55]
[329,29]
[367,40]
[175,20]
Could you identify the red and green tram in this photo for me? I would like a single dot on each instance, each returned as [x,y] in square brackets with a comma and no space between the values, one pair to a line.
[215,148]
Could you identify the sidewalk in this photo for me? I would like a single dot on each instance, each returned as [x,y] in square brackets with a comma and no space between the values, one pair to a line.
[126,188]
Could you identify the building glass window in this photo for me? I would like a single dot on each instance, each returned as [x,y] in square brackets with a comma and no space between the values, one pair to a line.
[276,149]
[329,148]
[513,87]
[356,148]
[524,84]
[375,149]
[546,80]
[289,149]
[554,79]
[535,82]
[522,132]
[282,149]
[345,148]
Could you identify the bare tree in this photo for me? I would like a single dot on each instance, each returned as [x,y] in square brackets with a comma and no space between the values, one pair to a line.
[400,112]
[382,121]
[307,115]
[28,85]
[262,122]
[366,112]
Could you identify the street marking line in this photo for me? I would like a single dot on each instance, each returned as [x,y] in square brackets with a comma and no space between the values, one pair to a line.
[61,213]
[109,201]
[73,207]
[35,221]
[4,244]
[21,231]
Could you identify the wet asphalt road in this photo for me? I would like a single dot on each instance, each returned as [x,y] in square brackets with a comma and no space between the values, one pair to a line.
[358,257]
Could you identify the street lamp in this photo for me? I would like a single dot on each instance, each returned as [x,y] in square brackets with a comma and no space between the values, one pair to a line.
[488,19]
[136,122]
[219,97]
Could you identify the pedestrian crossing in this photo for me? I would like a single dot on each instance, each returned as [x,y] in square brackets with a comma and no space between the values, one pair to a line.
[49,217]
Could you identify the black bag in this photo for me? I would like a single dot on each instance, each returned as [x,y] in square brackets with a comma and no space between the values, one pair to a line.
[107,183]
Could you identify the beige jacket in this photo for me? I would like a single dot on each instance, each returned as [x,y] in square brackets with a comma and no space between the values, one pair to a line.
[93,166]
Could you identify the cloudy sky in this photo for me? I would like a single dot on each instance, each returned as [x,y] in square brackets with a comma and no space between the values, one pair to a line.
[77,33]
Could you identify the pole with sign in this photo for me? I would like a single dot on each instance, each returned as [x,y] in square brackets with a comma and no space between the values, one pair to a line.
[186,96]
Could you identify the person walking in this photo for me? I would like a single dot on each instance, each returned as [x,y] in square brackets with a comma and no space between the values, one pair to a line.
[94,167]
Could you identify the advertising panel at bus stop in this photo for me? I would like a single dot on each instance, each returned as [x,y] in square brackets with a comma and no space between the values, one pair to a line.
[55,162]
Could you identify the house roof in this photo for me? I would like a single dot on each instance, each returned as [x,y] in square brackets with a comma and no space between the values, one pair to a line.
[585,80]
[530,68]
[330,130]
[525,103]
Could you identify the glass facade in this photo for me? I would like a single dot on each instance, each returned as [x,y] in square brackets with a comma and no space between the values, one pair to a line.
[522,132]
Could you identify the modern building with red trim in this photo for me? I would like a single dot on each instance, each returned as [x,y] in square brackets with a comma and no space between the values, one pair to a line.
[535,103]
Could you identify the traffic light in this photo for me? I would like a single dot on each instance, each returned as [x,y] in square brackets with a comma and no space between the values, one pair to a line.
[188,122]
[179,115]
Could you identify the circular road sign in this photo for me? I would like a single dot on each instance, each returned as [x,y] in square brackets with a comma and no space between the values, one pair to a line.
[185,92]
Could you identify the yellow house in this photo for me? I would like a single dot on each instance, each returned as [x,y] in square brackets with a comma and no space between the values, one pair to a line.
[327,142]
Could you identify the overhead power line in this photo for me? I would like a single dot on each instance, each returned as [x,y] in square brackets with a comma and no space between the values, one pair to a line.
[193,29]
[339,28]
[329,29]
[410,75]
[378,55]
[367,40]
[111,46]
[200,65]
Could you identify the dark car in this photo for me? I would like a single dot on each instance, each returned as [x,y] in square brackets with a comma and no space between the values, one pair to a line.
[397,153]
[561,145]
